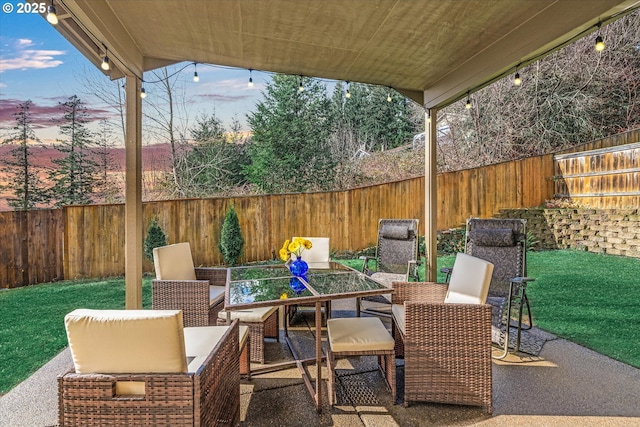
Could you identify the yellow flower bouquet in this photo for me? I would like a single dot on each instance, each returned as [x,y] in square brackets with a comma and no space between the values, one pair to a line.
[295,246]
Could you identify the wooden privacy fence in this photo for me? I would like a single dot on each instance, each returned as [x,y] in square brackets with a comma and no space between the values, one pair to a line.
[88,241]
[603,178]
[31,245]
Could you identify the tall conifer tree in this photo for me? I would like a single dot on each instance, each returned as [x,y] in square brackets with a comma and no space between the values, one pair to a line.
[23,180]
[75,177]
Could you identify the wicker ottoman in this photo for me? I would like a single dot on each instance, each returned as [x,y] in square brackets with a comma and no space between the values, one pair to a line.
[360,336]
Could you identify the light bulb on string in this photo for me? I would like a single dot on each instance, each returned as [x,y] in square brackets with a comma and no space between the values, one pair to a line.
[250,78]
[599,45]
[389,97]
[196,78]
[300,87]
[468,104]
[348,94]
[143,93]
[517,81]
[52,18]
[105,63]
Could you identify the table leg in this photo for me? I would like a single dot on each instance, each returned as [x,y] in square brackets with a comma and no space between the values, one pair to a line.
[318,356]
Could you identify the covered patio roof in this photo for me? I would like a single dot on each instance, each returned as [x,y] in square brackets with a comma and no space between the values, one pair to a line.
[433,51]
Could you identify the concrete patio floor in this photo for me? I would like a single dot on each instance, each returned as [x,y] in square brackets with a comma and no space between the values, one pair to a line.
[565,385]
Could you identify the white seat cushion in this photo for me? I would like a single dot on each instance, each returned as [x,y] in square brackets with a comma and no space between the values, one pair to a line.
[253,315]
[397,310]
[199,341]
[244,335]
[126,341]
[470,280]
[216,294]
[174,262]
[358,334]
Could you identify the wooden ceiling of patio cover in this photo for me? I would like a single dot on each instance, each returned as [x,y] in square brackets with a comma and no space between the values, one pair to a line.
[431,50]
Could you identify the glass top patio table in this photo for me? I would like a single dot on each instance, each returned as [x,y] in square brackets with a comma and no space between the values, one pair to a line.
[269,285]
[257,286]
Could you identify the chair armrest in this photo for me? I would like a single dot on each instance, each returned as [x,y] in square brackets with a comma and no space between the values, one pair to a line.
[522,280]
[365,265]
[412,271]
[215,276]
[447,273]
[219,377]
[430,292]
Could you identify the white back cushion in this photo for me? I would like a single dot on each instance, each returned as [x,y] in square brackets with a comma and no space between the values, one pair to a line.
[470,280]
[174,262]
[319,251]
[126,341]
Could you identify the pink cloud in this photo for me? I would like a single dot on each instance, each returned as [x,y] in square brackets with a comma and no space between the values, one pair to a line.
[45,116]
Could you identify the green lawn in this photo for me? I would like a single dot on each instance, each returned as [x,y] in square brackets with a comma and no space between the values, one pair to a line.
[32,321]
[583,297]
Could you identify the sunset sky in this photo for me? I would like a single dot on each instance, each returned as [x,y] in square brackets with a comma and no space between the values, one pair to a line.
[37,63]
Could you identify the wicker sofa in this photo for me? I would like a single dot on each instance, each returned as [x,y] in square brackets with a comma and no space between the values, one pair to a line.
[141,367]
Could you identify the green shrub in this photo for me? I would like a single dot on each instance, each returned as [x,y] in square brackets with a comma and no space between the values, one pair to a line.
[155,238]
[231,241]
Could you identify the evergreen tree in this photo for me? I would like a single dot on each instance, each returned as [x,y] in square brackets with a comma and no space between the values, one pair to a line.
[23,181]
[75,178]
[154,239]
[212,165]
[291,149]
[231,240]
[369,120]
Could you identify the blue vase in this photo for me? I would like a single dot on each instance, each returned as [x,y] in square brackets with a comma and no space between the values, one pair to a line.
[298,267]
[296,284]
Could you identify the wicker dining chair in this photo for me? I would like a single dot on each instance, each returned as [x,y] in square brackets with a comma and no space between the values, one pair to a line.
[443,332]
[198,292]
[141,367]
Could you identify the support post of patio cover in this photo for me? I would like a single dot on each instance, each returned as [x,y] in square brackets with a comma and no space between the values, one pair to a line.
[133,195]
[430,196]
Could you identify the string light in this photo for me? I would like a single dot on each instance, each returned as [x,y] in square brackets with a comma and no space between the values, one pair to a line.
[105,63]
[599,46]
[105,60]
[250,78]
[51,14]
[143,93]
[389,96]
[348,94]
[468,104]
[517,81]
[300,88]
[196,78]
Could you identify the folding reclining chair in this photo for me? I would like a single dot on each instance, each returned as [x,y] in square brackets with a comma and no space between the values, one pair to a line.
[503,243]
[396,259]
